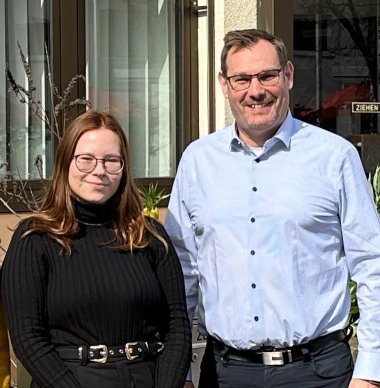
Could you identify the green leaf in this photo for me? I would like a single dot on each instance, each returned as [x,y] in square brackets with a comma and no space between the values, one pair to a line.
[151,197]
[374,182]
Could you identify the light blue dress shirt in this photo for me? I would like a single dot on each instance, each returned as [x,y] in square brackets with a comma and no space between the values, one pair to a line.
[268,243]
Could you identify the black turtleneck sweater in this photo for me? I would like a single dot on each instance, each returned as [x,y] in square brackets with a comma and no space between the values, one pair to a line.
[97,295]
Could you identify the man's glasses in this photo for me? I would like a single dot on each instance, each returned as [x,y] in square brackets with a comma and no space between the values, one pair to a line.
[243,81]
[87,163]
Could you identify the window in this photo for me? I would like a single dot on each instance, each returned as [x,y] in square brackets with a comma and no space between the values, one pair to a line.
[130,68]
[138,57]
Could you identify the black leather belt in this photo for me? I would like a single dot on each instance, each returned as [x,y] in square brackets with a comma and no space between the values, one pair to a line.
[132,351]
[268,355]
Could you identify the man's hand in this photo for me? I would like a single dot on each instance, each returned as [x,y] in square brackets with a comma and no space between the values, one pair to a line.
[358,383]
[188,384]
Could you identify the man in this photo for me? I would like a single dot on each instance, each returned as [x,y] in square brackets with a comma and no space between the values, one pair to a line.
[271,217]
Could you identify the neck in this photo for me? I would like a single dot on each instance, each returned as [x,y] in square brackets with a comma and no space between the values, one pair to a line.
[254,139]
[92,214]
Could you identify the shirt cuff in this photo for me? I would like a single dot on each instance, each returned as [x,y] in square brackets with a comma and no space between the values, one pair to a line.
[367,366]
[189,376]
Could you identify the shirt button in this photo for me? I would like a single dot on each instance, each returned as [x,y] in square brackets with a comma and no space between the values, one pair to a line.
[252,252]
[256,319]
[253,219]
[254,188]
[253,285]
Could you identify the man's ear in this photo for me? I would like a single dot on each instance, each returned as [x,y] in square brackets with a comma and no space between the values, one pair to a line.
[289,74]
[223,83]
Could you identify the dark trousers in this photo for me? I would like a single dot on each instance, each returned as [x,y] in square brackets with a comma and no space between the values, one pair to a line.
[330,368]
[118,374]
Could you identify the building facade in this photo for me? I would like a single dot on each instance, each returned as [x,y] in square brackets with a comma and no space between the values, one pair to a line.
[154,64]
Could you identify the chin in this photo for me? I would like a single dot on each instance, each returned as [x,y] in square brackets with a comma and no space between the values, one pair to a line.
[264,124]
[96,200]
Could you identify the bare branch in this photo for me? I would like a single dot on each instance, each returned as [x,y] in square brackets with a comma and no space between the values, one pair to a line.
[53,93]
[13,186]
[27,69]
[9,208]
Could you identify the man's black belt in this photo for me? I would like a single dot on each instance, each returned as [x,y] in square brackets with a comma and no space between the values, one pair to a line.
[131,351]
[268,355]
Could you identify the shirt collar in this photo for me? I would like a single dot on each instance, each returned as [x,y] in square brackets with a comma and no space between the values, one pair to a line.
[286,131]
[284,134]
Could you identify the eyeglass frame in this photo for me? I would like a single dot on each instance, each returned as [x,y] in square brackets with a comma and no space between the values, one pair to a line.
[103,160]
[254,76]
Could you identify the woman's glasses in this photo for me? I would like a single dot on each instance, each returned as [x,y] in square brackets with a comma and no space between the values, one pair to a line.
[87,163]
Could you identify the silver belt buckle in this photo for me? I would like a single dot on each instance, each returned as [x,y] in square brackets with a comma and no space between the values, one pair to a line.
[103,352]
[276,358]
[129,351]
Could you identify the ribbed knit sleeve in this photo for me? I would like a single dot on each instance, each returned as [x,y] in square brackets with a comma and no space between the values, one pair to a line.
[174,362]
[23,291]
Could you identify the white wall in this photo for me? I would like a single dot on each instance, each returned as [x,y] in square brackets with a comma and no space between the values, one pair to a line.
[234,15]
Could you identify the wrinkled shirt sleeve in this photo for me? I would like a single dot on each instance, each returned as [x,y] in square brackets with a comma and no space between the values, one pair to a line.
[179,227]
[361,240]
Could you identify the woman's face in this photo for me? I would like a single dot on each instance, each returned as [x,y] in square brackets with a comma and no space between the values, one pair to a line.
[98,185]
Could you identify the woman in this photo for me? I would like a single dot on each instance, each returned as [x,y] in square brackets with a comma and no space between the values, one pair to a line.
[93,290]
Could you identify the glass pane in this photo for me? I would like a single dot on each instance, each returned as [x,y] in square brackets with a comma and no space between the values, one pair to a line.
[336,51]
[131,74]
[24,138]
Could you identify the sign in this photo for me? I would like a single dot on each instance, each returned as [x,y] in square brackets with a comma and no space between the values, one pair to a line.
[366,107]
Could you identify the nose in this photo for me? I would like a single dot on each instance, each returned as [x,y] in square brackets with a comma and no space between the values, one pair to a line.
[255,87]
[99,168]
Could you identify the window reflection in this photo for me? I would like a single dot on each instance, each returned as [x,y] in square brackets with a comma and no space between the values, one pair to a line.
[336,59]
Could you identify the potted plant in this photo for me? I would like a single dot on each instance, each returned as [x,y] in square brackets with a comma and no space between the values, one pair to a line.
[152,198]
[374,182]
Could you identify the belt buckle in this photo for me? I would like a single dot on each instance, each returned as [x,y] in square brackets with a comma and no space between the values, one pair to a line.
[130,349]
[103,352]
[276,357]
[161,348]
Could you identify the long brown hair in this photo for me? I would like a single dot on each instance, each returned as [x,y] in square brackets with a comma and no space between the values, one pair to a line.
[56,216]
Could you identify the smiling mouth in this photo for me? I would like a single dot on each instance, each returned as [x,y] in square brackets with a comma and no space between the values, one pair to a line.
[260,106]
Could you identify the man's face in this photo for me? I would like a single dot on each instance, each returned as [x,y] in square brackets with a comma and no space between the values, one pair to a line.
[259,110]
